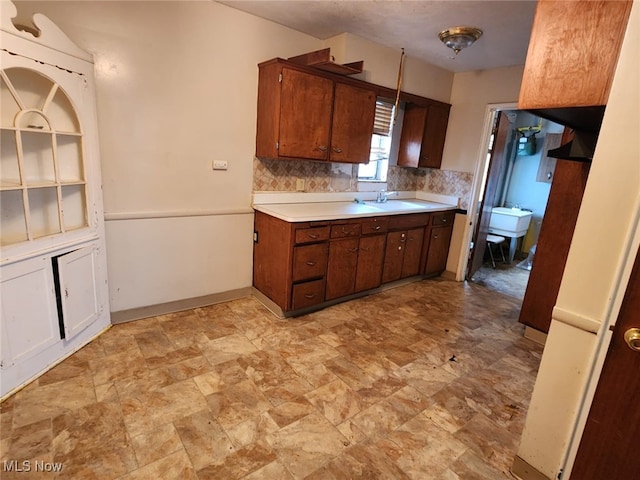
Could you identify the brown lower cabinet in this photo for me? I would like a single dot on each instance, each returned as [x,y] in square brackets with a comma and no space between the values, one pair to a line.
[304,264]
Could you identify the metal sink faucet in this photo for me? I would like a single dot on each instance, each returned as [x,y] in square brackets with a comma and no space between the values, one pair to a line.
[383,196]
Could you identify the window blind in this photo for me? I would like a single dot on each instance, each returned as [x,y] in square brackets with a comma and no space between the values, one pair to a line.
[383,118]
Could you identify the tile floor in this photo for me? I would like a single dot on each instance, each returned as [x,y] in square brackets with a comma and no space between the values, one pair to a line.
[426,381]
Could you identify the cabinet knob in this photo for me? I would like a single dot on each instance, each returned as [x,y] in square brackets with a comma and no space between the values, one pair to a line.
[399,247]
[435,236]
[337,150]
[322,148]
[377,227]
[353,250]
[444,220]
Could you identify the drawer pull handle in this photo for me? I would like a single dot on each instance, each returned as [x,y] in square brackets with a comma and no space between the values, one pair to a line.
[309,296]
[310,263]
[377,227]
[402,240]
[353,250]
[365,249]
[313,235]
[435,236]
[444,220]
[322,148]
[337,149]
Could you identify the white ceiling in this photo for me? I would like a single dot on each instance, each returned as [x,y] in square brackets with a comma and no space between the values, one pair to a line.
[412,25]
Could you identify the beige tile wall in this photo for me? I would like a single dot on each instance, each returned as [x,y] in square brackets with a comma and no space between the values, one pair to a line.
[281,176]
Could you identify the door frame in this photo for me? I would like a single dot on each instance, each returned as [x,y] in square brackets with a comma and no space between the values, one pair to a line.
[491,110]
[605,335]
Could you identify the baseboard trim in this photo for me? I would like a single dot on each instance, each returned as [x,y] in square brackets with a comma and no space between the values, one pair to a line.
[132,314]
[522,470]
[535,335]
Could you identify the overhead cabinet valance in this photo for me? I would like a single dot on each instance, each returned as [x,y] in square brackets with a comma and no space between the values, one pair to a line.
[308,114]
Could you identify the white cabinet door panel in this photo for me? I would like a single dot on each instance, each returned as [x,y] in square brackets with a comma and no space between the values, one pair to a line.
[78,292]
[29,317]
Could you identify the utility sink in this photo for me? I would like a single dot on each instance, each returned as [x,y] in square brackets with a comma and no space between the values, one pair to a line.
[511,222]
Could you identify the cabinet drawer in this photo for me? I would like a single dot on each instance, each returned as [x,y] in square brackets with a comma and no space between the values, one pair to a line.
[345,230]
[314,234]
[375,225]
[307,294]
[443,218]
[310,261]
[410,220]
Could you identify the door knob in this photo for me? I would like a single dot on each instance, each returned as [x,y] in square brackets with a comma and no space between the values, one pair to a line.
[632,337]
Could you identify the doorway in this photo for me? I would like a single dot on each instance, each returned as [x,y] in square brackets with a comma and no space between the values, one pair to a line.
[516,178]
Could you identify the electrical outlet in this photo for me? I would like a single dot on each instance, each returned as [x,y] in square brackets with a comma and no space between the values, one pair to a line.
[220,165]
[300,184]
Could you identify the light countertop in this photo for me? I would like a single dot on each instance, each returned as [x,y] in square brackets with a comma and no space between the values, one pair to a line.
[316,211]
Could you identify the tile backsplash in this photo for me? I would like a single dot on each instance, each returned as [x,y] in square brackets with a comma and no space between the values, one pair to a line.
[281,176]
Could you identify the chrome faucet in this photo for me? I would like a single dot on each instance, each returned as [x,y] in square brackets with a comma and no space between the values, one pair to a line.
[383,196]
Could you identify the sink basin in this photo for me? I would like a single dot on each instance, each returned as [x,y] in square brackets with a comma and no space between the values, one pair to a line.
[403,206]
[511,222]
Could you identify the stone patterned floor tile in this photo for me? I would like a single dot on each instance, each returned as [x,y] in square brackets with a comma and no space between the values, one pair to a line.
[429,380]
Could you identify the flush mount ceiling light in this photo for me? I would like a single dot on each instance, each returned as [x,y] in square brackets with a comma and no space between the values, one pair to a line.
[457,38]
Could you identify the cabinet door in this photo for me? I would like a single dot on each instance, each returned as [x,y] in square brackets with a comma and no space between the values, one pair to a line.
[78,290]
[415,117]
[424,129]
[435,131]
[580,72]
[438,249]
[370,262]
[393,256]
[341,271]
[354,111]
[305,115]
[412,252]
[29,319]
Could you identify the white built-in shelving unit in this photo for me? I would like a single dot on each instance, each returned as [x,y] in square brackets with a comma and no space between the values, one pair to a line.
[54,295]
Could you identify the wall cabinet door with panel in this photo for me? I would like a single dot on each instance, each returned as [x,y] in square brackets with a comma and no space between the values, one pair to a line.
[310,115]
[424,128]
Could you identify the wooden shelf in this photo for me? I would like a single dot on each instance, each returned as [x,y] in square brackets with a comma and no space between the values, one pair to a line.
[323,60]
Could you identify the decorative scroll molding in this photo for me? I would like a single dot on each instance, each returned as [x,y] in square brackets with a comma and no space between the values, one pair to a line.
[50,34]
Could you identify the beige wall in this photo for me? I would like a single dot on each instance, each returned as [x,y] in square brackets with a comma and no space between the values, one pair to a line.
[471,93]
[177,86]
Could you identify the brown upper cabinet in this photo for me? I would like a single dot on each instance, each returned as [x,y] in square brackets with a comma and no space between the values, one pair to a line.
[571,59]
[424,128]
[304,115]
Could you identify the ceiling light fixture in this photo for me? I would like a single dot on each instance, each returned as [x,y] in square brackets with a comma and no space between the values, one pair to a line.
[457,38]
